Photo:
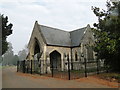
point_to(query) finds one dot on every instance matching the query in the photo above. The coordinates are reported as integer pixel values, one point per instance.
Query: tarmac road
(12, 79)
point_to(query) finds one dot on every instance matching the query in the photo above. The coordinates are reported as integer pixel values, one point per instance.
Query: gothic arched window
(90, 53)
(76, 57)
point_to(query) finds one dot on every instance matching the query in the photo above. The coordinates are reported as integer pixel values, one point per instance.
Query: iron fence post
(29, 69)
(40, 67)
(27, 66)
(52, 68)
(52, 71)
(23, 66)
(17, 66)
(31, 66)
(97, 66)
(85, 67)
(68, 68)
(46, 65)
(107, 69)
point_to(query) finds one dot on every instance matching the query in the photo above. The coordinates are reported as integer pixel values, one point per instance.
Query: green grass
(77, 71)
(2, 67)
(110, 76)
(91, 70)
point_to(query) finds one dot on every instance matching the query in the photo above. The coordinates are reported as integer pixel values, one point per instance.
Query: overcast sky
(63, 14)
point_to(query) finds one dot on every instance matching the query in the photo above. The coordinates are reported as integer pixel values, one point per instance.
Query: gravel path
(12, 79)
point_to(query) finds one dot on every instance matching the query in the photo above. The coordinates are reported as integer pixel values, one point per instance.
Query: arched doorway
(36, 48)
(55, 60)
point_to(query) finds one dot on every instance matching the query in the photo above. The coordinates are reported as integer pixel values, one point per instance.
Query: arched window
(76, 57)
(90, 53)
(36, 47)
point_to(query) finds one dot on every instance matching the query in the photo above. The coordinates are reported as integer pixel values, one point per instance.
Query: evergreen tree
(6, 31)
(107, 34)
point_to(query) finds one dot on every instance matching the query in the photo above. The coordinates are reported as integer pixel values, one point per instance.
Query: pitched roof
(76, 36)
(55, 36)
(59, 37)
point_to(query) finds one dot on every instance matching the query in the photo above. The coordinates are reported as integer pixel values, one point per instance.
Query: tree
(8, 56)
(6, 31)
(107, 34)
(14, 60)
(0, 59)
(22, 54)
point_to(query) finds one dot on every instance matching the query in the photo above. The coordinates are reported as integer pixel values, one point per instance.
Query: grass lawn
(7, 66)
(113, 77)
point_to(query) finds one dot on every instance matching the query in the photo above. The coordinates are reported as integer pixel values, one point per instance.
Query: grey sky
(63, 14)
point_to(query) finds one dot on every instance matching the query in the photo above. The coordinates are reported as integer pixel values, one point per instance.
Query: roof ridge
(78, 29)
(62, 29)
(54, 28)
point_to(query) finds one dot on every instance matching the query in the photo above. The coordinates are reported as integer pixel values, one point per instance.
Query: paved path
(12, 79)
